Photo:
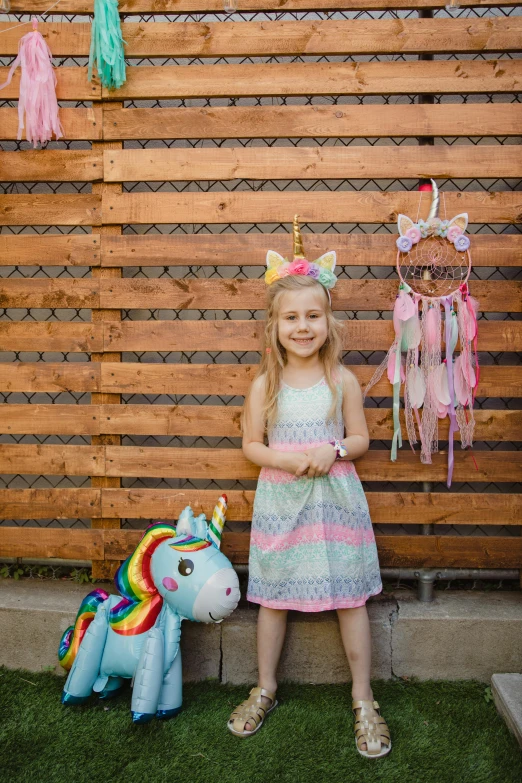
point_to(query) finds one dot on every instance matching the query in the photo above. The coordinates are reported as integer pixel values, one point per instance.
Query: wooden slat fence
(107, 209)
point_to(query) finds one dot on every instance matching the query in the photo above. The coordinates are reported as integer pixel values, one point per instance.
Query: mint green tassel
(107, 45)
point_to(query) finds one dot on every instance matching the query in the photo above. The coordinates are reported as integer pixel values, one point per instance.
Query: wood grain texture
(250, 249)
(279, 38)
(228, 335)
(69, 336)
(402, 551)
(71, 83)
(374, 466)
(51, 166)
(66, 503)
(48, 542)
(201, 6)
(374, 78)
(228, 294)
(77, 124)
(339, 121)
(305, 163)
(71, 209)
(223, 379)
(50, 250)
(205, 420)
(275, 207)
(385, 507)
(52, 460)
(153, 504)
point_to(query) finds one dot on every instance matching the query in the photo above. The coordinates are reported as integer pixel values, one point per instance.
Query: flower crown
(321, 269)
(453, 230)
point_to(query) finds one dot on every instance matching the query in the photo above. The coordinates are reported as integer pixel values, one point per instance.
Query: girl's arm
(254, 448)
(357, 440)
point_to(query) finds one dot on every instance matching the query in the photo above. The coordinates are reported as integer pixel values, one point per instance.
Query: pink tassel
(37, 99)
(391, 362)
(440, 385)
(432, 330)
(460, 382)
(403, 310)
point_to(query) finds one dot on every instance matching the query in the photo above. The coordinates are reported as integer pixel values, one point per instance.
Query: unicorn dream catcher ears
(433, 264)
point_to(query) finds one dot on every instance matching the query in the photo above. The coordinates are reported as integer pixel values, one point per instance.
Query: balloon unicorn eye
(185, 567)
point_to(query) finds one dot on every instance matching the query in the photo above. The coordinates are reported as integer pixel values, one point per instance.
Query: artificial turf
(442, 732)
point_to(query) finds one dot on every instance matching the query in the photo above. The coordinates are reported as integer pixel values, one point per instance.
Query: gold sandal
(252, 711)
(371, 728)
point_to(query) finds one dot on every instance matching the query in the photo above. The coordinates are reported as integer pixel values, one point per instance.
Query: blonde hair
(273, 358)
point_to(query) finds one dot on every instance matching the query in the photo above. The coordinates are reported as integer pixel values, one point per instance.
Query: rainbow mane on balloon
(175, 573)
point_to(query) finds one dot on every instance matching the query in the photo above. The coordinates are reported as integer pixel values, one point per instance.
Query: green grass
(442, 732)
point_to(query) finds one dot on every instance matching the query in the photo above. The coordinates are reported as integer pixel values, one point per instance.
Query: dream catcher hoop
(433, 265)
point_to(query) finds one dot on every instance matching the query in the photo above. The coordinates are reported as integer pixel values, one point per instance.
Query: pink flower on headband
(282, 271)
(454, 232)
(414, 234)
(299, 266)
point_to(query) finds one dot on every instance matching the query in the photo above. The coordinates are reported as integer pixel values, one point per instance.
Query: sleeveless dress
(312, 544)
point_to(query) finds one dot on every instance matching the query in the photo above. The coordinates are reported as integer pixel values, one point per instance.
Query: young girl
(312, 544)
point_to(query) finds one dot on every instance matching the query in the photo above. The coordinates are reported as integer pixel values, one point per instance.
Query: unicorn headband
(453, 230)
(322, 269)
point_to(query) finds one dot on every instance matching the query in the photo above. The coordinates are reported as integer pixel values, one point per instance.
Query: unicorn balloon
(174, 574)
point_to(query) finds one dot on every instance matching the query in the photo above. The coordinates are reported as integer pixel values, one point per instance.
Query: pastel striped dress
(312, 545)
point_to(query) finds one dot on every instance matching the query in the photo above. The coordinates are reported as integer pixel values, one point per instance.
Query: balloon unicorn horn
(217, 523)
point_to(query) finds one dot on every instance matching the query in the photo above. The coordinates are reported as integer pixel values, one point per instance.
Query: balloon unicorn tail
(72, 637)
(217, 523)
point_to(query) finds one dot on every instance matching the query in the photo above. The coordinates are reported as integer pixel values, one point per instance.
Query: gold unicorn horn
(298, 240)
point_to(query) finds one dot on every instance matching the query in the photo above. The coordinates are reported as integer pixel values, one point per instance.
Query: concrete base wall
(460, 635)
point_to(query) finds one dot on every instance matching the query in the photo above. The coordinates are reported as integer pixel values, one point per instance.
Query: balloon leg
(86, 666)
(171, 698)
(112, 687)
(148, 678)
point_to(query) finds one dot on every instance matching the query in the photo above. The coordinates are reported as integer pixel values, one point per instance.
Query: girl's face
(301, 323)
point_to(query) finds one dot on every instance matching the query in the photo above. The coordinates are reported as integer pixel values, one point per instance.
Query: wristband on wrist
(340, 449)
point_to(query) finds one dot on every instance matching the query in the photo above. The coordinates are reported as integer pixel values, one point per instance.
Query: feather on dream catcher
(433, 264)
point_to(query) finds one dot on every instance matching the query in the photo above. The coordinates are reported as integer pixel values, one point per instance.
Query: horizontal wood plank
(402, 551)
(130, 461)
(338, 121)
(66, 503)
(385, 507)
(204, 420)
(228, 335)
(222, 335)
(250, 249)
(229, 294)
(361, 78)
(50, 376)
(223, 379)
(394, 551)
(50, 250)
(71, 84)
(202, 6)
(51, 166)
(374, 466)
(68, 336)
(281, 38)
(71, 209)
(303, 163)
(36, 459)
(70, 544)
(313, 206)
(77, 124)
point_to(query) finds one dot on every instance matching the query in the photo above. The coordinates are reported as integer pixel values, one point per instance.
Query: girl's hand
(295, 462)
(321, 460)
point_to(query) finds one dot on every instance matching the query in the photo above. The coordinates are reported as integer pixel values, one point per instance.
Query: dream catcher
(433, 264)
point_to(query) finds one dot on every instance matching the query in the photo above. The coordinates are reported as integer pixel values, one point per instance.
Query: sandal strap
(370, 726)
(252, 710)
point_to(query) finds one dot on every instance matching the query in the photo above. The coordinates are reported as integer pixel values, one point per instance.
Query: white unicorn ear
(459, 220)
(273, 259)
(327, 260)
(403, 224)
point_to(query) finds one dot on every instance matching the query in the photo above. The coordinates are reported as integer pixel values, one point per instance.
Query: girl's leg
(355, 633)
(271, 631)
